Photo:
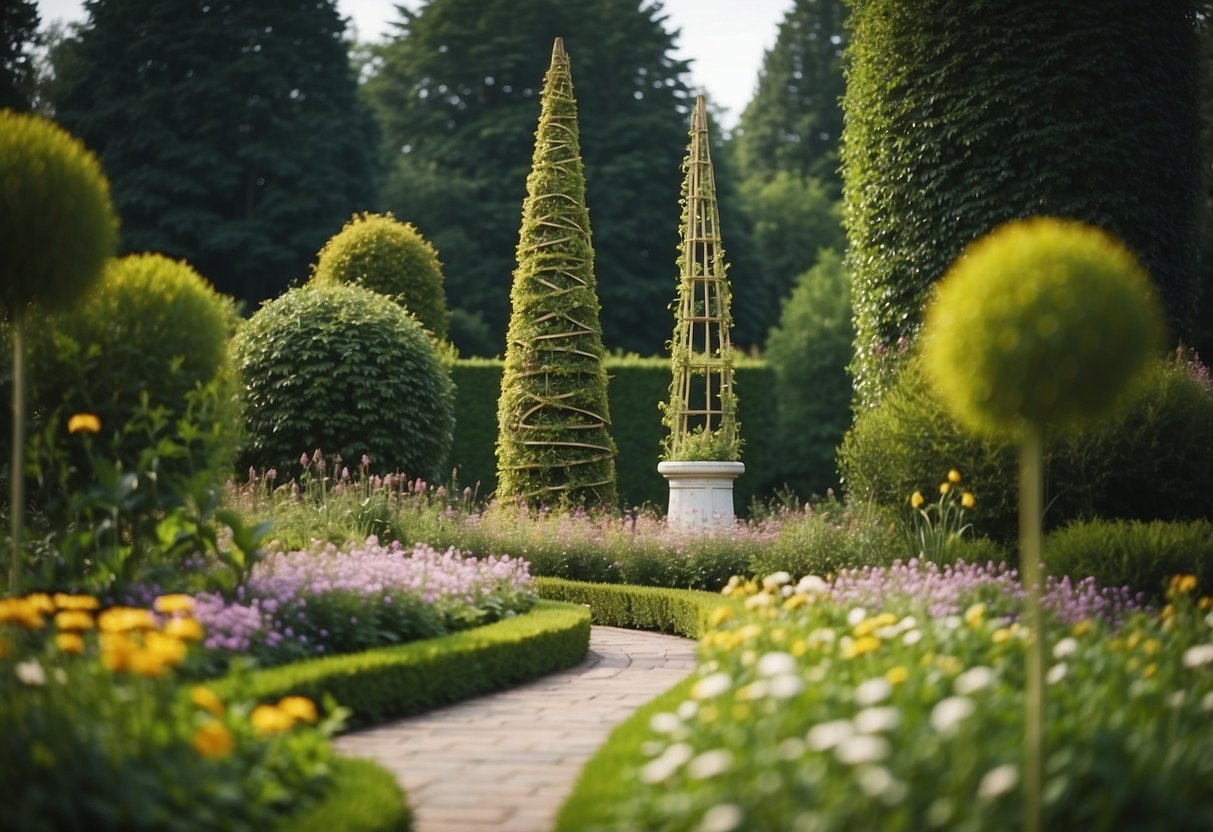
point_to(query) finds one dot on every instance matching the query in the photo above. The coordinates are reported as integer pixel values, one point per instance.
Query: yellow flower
(125, 619)
(212, 741)
(147, 663)
(896, 675)
(1083, 627)
(73, 620)
(76, 602)
(953, 475)
(721, 615)
(975, 615)
(70, 643)
(945, 487)
(300, 708)
(203, 697)
(1182, 584)
(41, 602)
(117, 650)
(20, 611)
(268, 719)
(186, 629)
(169, 650)
(860, 647)
(795, 601)
(174, 604)
(968, 500)
(84, 423)
(916, 499)
(1149, 670)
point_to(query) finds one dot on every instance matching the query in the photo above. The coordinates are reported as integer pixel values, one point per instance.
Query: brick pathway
(505, 762)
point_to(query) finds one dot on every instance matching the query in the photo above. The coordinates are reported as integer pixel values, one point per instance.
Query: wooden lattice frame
(701, 415)
(554, 447)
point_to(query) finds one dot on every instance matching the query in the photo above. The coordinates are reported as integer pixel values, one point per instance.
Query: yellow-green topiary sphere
(57, 224)
(1040, 324)
(380, 253)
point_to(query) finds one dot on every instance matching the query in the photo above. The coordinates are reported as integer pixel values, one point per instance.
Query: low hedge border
(364, 797)
(683, 612)
(410, 678)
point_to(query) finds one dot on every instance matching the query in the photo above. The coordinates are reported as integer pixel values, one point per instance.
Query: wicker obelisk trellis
(554, 447)
(703, 443)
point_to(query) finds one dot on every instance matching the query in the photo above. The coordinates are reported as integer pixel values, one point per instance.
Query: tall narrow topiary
(701, 415)
(57, 227)
(1037, 329)
(554, 445)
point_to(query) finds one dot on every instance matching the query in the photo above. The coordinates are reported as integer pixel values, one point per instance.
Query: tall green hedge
(962, 116)
(635, 386)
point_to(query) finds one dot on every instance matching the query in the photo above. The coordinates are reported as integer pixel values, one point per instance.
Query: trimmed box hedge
(364, 797)
(635, 387)
(683, 612)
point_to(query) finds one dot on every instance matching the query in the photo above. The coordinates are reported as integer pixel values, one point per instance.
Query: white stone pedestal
(701, 493)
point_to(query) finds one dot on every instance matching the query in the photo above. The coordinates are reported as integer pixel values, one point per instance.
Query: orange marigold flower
(174, 604)
(186, 629)
(73, 620)
(299, 708)
(203, 697)
(70, 643)
(213, 740)
(269, 719)
(76, 602)
(84, 423)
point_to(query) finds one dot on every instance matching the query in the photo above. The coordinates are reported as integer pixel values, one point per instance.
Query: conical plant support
(554, 446)
(703, 444)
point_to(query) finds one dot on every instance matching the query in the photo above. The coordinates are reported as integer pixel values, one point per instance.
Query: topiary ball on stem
(390, 257)
(344, 370)
(57, 224)
(1040, 324)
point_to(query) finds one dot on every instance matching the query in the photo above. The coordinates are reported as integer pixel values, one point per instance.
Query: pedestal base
(701, 493)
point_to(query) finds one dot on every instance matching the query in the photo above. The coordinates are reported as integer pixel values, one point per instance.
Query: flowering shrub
(326, 600)
(97, 731)
(815, 708)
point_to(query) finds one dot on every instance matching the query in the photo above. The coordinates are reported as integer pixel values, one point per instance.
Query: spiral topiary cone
(57, 228)
(553, 444)
(1039, 327)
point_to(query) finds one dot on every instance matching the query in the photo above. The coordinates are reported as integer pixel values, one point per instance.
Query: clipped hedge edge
(683, 612)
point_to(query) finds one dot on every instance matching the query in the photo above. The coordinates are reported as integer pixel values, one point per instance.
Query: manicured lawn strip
(364, 797)
(603, 782)
(411, 678)
(683, 612)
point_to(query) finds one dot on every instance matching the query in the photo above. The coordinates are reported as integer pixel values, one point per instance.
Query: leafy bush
(364, 797)
(1153, 460)
(1143, 555)
(683, 612)
(134, 414)
(378, 252)
(343, 369)
(809, 351)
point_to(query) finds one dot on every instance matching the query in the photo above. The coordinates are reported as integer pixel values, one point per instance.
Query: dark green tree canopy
(960, 117)
(18, 36)
(794, 121)
(457, 94)
(231, 132)
(554, 446)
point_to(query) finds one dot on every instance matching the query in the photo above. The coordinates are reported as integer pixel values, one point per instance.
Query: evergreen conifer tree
(553, 445)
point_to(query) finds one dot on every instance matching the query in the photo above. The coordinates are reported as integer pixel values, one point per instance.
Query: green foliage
(1140, 555)
(793, 124)
(1040, 325)
(411, 678)
(683, 612)
(344, 370)
(457, 96)
(18, 72)
(57, 225)
(392, 258)
(1153, 461)
(251, 144)
(1087, 111)
(363, 797)
(554, 444)
(808, 352)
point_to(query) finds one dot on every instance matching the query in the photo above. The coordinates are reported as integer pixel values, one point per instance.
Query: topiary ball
(57, 224)
(1040, 324)
(345, 370)
(390, 257)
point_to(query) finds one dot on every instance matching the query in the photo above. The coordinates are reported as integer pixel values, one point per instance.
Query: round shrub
(392, 258)
(146, 352)
(345, 370)
(1041, 323)
(1153, 460)
(57, 224)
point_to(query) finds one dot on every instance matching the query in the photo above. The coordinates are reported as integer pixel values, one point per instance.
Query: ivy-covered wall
(636, 385)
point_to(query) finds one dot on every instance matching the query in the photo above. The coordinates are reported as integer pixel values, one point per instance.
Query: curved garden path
(505, 762)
